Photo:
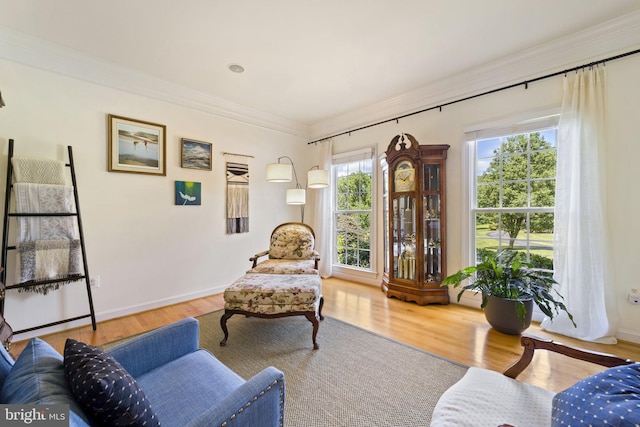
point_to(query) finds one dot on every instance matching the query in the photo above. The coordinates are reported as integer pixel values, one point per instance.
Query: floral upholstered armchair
(291, 251)
(285, 284)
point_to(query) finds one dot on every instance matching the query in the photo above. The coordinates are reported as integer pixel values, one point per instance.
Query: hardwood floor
(453, 331)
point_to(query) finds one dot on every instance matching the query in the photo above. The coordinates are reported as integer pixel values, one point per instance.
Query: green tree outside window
(353, 217)
(518, 178)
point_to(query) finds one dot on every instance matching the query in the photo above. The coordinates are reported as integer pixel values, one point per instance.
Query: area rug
(356, 378)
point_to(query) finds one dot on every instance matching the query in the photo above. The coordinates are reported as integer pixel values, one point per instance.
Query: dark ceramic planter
(503, 317)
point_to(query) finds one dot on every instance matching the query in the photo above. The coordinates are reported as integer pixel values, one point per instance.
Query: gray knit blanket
(45, 260)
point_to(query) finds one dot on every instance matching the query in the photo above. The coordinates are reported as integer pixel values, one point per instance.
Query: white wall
(623, 195)
(147, 251)
(507, 107)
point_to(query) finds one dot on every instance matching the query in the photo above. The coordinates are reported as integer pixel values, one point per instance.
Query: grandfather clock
(414, 194)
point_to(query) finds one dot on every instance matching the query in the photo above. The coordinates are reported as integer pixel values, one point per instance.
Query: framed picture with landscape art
(136, 146)
(196, 154)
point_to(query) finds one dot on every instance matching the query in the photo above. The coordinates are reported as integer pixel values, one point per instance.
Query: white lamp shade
(279, 172)
(318, 178)
(296, 196)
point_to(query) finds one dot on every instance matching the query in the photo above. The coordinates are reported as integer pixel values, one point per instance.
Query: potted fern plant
(509, 288)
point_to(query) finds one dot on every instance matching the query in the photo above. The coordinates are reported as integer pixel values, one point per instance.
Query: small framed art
(196, 154)
(136, 146)
(188, 193)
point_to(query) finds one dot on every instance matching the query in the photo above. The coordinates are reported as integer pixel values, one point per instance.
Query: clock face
(405, 177)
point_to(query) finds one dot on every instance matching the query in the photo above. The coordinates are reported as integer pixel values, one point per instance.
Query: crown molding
(606, 39)
(38, 53)
(598, 42)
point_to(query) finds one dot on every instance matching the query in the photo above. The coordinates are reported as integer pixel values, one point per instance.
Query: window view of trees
(515, 195)
(353, 213)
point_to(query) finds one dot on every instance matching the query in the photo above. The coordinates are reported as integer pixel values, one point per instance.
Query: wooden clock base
(421, 296)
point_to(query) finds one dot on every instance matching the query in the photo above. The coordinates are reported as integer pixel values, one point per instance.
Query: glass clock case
(414, 221)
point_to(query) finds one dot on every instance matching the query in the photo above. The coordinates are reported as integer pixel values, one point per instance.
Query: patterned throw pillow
(104, 388)
(610, 397)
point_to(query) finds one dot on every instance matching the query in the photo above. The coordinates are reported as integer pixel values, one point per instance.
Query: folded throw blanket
(46, 260)
(44, 198)
(38, 171)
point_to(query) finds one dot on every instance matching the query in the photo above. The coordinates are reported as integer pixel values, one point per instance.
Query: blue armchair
(185, 385)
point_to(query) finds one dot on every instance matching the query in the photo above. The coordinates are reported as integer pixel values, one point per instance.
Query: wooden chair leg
(223, 325)
(313, 318)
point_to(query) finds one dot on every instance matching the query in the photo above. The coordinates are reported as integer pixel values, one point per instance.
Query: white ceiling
(307, 61)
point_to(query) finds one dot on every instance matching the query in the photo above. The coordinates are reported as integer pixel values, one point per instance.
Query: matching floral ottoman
(270, 295)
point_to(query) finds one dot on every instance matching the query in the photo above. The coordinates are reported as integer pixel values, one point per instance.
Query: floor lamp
(286, 172)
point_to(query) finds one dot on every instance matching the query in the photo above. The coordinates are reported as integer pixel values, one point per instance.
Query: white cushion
(488, 398)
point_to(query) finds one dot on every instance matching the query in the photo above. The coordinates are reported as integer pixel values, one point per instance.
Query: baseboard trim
(356, 276)
(121, 312)
(628, 335)
(470, 301)
(622, 334)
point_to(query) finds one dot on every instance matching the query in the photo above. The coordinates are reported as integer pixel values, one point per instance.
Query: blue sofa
(185, 385)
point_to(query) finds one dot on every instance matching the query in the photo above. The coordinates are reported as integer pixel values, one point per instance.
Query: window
(353, 178)
(513, 192)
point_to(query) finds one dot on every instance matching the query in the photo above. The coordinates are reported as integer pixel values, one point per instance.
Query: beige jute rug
(356, 378)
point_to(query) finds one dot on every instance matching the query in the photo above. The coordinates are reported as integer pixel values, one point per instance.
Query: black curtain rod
(439, 107)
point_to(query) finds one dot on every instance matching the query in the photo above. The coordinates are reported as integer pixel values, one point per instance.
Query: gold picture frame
(196, 154)
(137, 146)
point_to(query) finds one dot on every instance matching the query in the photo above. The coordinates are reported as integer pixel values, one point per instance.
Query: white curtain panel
(323, 215)
(582, 265)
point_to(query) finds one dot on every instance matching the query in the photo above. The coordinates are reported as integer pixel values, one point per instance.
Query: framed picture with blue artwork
(188, 193)
(196, 154)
